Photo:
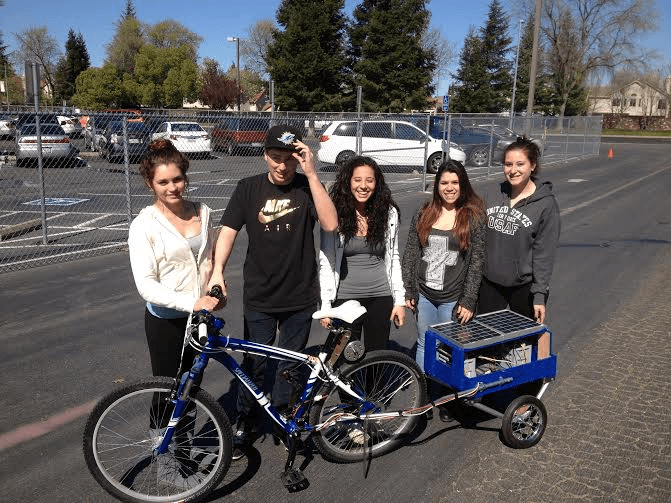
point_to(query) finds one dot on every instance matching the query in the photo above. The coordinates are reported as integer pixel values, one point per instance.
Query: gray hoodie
(521, 241)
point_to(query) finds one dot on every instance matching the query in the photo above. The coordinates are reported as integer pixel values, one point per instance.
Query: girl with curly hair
(360, 259)
(445, 253)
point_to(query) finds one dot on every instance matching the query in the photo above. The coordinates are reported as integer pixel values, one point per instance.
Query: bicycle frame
(217, 348)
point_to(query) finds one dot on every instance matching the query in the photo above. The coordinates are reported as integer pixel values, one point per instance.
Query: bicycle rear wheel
(128, 424)
(390, 380)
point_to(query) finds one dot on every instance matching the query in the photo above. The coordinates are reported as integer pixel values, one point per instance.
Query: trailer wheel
(524, 422)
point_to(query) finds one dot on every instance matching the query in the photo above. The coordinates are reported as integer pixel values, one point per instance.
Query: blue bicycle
(165, 439)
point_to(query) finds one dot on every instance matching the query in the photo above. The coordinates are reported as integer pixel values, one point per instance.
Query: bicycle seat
(347, 312)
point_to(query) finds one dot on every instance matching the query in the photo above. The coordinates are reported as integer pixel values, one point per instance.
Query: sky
(215, 20)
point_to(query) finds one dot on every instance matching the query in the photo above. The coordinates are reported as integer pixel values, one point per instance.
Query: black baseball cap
(283, 136)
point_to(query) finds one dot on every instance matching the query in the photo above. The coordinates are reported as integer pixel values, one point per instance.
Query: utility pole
(534, 64)
(517, 59)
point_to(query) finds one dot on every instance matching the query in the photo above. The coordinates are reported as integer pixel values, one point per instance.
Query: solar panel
(488, 328)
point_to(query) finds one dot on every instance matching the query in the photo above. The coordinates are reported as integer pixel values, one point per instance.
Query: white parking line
(611, 192)
(9, 214)
(88, 222)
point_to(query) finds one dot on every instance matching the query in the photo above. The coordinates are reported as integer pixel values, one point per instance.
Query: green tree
(307, 57)
(393, 68)
(99, 88)
(75, 61)
(126, 44)
(470, 77)
(129, 11)
(251, 83)
(496, 53)
(171, 34)
(165, 77)
(13, 84)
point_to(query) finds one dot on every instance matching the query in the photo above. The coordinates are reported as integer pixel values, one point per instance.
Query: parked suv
(390, 143)
(244, 135)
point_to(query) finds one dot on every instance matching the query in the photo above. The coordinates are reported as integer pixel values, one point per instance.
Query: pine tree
(307, 57)
(75, 61)
(127, 42)
(391, 66)
(496, 53)
(470, 77)
(129, 11)
(483, 79)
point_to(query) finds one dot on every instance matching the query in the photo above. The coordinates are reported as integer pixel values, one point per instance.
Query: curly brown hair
(161, 152)
(376, 208)
(469, 206)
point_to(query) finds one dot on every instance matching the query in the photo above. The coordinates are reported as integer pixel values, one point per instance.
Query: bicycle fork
(180, 399)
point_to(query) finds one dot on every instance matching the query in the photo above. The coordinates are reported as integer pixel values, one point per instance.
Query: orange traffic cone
(610, 153)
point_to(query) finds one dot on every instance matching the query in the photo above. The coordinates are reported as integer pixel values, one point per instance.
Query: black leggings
(165, 338)
(375, 324)
(494, 297)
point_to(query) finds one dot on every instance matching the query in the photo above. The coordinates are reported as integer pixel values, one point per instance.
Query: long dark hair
(376, 209)
(162, 152)
(530, 149)
(469, 206)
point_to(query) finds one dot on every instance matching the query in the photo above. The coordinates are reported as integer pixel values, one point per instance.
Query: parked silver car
(55, 144)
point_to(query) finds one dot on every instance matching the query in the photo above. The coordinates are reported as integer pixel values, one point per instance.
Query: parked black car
(111, 142)
(479, 140)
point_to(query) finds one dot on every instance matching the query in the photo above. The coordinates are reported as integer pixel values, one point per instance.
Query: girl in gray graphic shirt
(445, 253)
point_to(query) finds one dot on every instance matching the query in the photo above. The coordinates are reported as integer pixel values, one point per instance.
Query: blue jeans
(429, 313)
(293, 328)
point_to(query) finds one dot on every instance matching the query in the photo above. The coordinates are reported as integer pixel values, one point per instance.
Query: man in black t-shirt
(281, 291)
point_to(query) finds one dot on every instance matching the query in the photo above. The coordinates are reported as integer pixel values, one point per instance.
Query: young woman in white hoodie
(171, 247)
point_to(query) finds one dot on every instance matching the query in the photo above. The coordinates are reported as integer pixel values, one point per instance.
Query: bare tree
(444, 49)
(254, 48)
(585, 36)
(35, 44)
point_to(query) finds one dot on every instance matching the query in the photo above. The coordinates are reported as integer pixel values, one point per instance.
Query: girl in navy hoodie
(522, 236)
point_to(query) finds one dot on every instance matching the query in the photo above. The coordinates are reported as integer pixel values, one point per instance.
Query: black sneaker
(240, 444)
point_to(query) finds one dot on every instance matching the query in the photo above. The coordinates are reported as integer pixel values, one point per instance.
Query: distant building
(638, 98)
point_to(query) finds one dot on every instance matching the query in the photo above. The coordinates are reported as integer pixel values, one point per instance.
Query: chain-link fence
(71, 185)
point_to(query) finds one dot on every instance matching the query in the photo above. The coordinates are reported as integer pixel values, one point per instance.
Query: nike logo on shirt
(274, 209)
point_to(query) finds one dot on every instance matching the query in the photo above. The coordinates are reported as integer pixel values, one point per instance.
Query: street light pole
(237, 64)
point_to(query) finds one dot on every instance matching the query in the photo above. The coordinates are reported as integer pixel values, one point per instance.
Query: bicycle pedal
(294, 480)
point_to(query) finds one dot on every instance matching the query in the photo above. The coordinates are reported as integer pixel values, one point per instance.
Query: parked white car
(55, 144)
(70, 125)
(389, 142)
(187, 137)
(7, 127)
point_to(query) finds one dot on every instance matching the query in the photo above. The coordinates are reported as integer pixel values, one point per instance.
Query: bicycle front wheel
(388, 379)
(128, 424)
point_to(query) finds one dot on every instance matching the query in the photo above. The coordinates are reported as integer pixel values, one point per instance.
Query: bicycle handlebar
(216, 292)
